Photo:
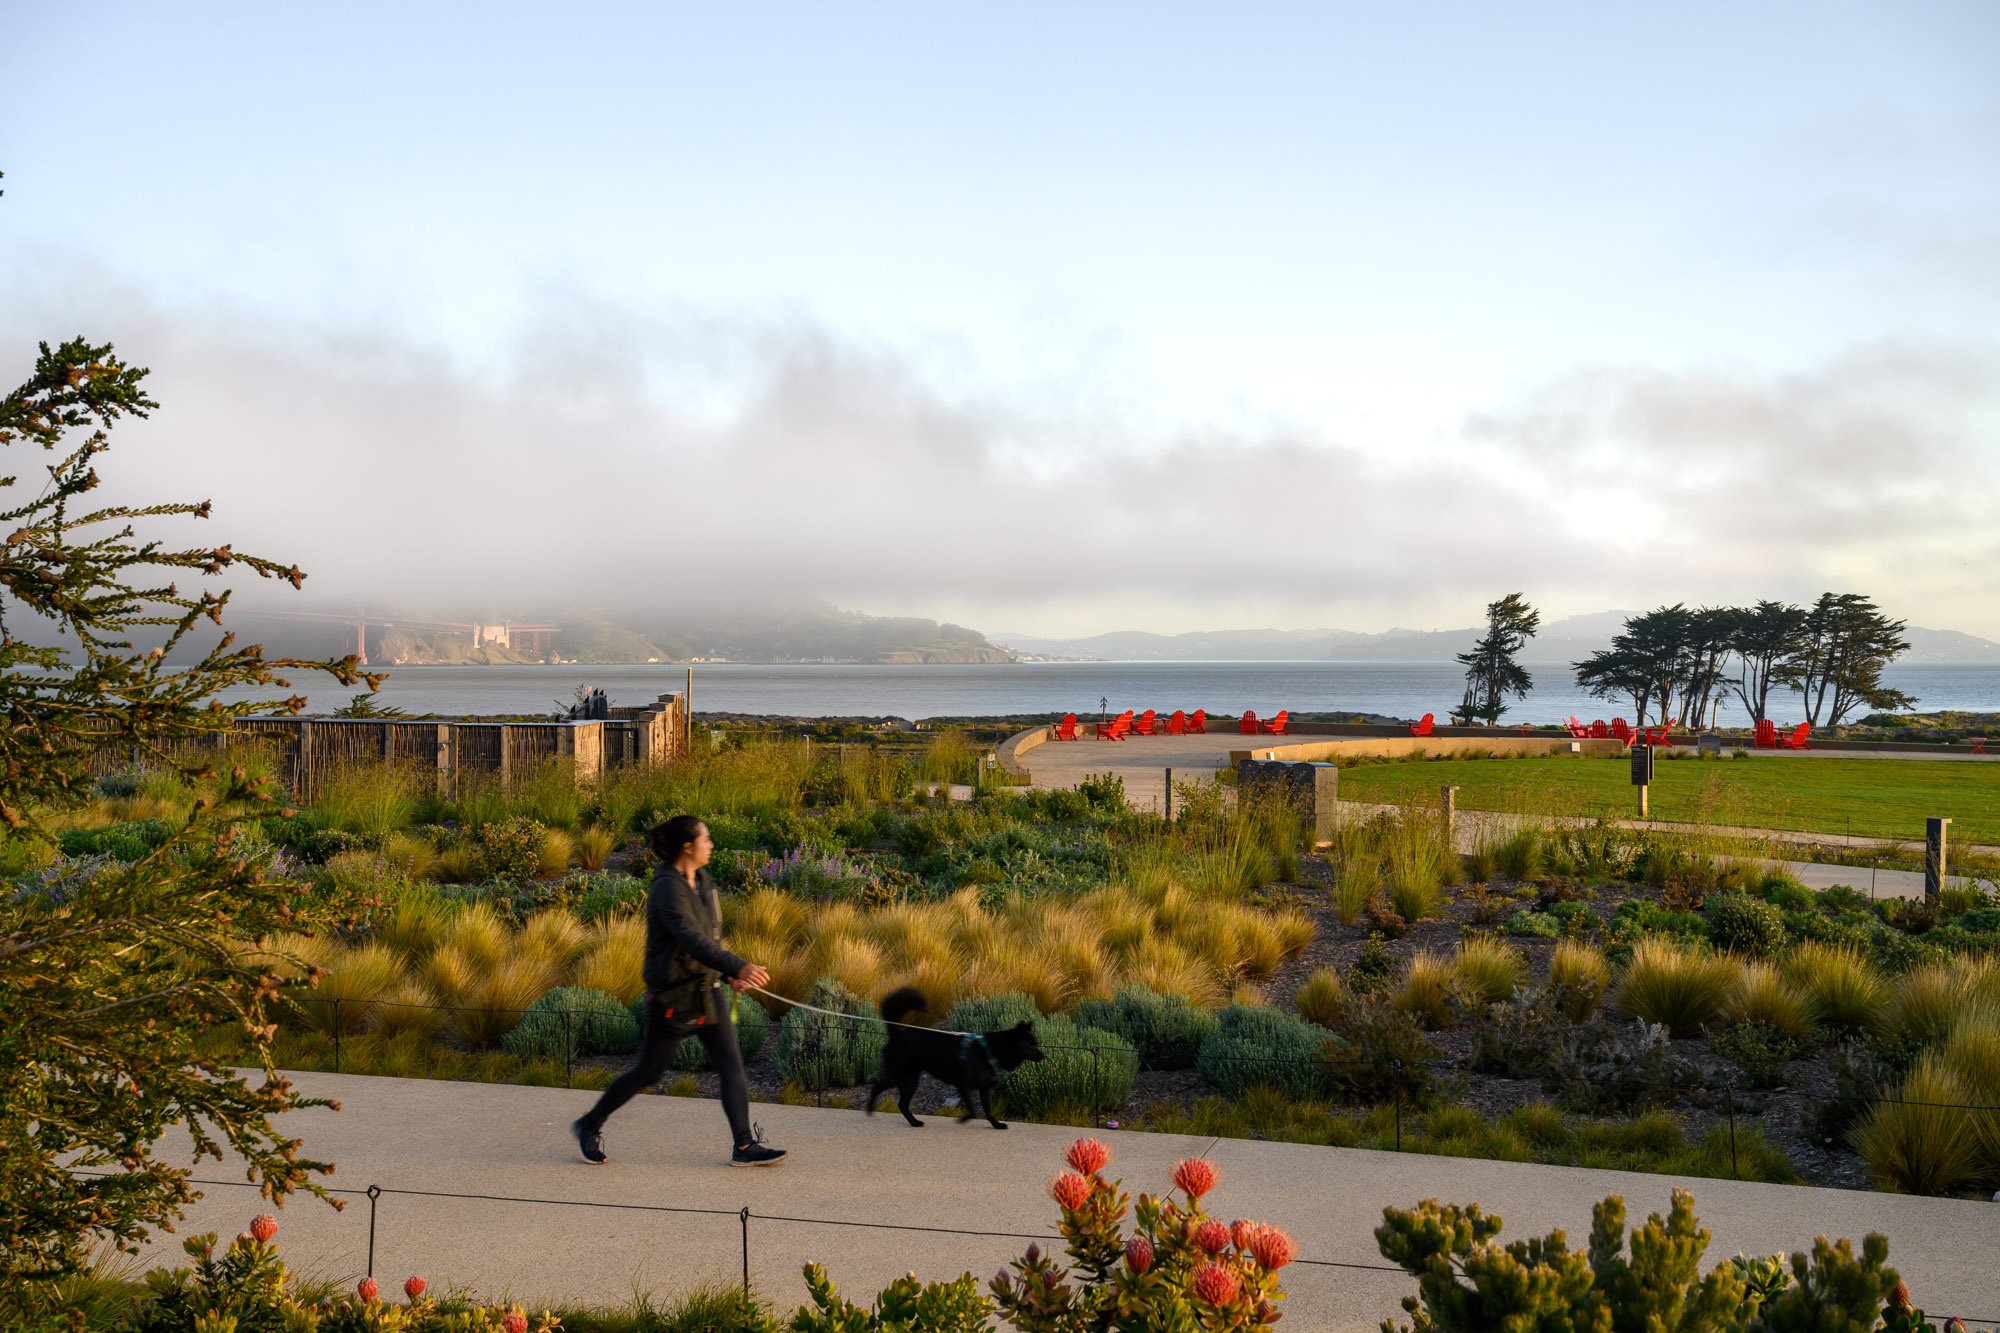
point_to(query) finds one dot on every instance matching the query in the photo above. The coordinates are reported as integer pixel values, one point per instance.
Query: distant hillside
(809, 634)
(1561, 641)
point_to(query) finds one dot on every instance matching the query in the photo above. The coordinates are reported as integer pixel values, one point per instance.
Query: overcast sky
(1048, 318)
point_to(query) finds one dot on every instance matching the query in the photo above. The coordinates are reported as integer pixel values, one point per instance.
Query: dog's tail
(899, 1004)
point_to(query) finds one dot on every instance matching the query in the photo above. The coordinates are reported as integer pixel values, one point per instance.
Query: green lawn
(1888, 798)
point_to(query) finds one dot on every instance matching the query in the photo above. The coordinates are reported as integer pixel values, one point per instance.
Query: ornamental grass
(1488, 969)
(1766, 996)
(1579, 974)
(1683, 990)
(1846, 994)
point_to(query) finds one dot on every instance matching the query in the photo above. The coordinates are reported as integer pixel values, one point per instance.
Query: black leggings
(656, 1052)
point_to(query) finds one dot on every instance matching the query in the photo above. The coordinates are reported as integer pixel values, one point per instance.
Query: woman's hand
(751, 975)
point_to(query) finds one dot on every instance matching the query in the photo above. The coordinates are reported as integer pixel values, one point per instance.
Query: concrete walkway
(495, 1140)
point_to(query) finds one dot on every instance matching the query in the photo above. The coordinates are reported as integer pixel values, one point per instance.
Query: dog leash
(835, 1013)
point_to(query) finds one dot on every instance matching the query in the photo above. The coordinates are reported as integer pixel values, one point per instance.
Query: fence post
(1729, 1106)
(1399, 1106)
(336, 1034)
(1167, 801)
(1096, 1094)
(745, 1216)
(569, 1052)
(374, 1193)
(1934, 859)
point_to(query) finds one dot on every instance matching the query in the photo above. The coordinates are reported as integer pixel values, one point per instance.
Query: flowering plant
(1179, 1269)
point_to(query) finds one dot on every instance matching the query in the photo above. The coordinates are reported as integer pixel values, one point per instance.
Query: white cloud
(653, 458)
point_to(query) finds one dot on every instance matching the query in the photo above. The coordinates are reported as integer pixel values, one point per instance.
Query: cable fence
(744, 1215)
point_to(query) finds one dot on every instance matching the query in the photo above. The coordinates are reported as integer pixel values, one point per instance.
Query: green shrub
(1637, 918)
(1744, 925)
(1535, 925)
(1256, 1046)
(753, 1027)
(1783, 891)
(816, 1051)
(1759, 1050)
(125, 842)
(1378, 1051)
(511, 849)
(1467, 1279)
(602, 895)
(1599, 1067)
(1167, 1029)
(568, 1022)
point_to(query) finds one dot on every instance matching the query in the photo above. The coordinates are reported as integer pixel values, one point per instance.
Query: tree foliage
(121, 985)
(1492, 668)
(1677, 662)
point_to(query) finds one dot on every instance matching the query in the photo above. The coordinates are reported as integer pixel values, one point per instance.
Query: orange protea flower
(1196, 1175)
(1139, 1253)
(413, 1286)
(265, 1227)
(1242, 1231)
(1273, 1249)
(1087, 1156)
(368, 1288)
(1214, 1284)
(1070, 1190)
(1899, 1295)
(514, 1322)
(1212, 1237)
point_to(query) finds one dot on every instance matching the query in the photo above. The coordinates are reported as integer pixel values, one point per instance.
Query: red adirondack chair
(1659, 736)
(1425, 727)
(1115, 729)
(1576, 728)
(1144, 726)
(1177, 724)
(1979, 745)
(1276, 726)
(1797, 740)
(1065, 730)
(1765, 736)
(1621, 729)
(1248, 725)
(1198, 722)
(1599, 732)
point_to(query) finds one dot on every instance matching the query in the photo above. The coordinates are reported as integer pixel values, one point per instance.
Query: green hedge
(815, 1051)
(597, 1024)
(1254, 1045)
(1167, 1029)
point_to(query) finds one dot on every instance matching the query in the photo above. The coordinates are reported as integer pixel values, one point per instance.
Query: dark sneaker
(588, 1141)
(754, 1153)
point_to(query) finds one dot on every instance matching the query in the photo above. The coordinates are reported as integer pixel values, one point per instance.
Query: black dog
(971, 1064)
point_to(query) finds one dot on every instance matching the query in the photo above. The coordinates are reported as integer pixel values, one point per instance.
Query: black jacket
(684, 934)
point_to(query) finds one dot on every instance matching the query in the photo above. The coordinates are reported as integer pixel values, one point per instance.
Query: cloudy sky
(1048, 318)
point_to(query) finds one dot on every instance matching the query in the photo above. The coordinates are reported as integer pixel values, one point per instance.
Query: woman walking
(685, 966)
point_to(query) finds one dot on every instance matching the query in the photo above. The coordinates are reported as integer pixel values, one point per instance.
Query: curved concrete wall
(1018, 744)
(1398, 747)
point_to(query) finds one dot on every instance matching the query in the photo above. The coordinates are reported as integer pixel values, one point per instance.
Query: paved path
(496, 1140)
(1142, 762)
